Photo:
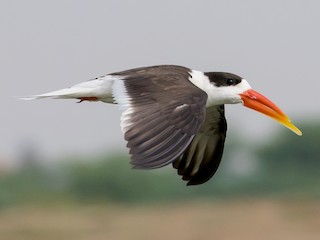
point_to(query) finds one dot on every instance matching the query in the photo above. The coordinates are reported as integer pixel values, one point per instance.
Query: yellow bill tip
(291, 126)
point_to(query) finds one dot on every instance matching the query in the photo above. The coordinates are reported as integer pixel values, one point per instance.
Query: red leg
(90, 99)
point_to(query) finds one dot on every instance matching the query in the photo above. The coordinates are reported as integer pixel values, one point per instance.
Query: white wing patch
(121, 97)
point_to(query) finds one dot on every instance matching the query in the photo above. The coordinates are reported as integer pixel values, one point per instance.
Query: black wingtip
(193, 182)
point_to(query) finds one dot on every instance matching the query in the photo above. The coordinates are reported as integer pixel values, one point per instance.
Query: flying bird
(173, 114)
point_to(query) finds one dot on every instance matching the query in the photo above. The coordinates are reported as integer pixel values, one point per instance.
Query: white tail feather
(100, 88)
(63, 94)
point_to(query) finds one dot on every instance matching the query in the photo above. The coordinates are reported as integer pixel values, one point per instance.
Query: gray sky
(48, 45)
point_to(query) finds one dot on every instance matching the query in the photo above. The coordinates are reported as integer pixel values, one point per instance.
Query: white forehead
(239, 88)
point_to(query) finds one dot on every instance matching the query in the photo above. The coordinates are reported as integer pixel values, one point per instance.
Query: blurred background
(64, 167)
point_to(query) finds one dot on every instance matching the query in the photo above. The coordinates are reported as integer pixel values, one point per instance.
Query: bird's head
(228, 88)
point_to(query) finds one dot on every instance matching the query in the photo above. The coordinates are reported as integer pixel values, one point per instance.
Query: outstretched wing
(163, 111)
(202, 158)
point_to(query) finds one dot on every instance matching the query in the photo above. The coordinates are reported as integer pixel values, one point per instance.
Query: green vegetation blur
(285, 166)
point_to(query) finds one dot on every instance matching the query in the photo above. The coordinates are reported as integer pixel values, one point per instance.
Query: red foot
(90, 99)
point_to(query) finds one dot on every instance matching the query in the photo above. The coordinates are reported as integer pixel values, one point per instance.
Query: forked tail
(94, 90)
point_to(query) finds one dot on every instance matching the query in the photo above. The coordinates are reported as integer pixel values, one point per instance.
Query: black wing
(202, 158)
(163, 113)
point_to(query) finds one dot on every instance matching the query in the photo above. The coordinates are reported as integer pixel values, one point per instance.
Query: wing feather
(202, 158)
(163, 111)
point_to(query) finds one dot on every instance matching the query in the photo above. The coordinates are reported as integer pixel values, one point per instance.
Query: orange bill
(260, 103)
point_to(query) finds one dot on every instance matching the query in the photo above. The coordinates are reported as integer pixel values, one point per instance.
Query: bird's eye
(230, 81)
